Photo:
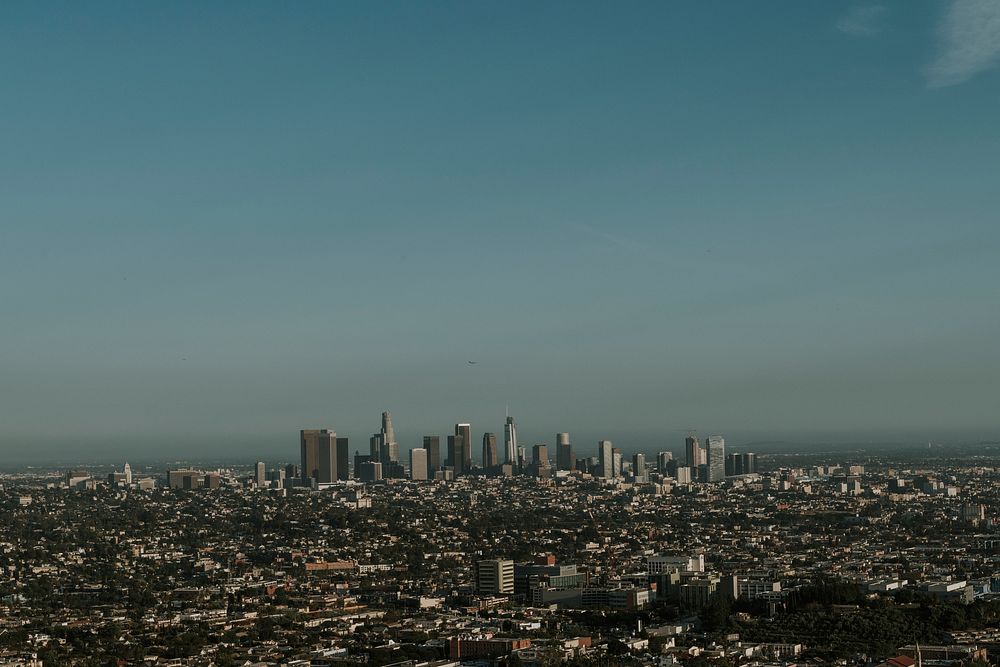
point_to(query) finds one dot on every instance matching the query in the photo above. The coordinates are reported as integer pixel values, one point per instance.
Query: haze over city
(500, 334)
(223, 223)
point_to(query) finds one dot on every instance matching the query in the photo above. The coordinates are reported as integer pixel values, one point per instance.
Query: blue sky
(223, 222)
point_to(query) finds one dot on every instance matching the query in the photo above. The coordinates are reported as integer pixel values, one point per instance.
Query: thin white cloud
(968, 42)
(863, 21)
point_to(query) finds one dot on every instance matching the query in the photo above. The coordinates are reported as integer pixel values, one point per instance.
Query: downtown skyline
(584, 444)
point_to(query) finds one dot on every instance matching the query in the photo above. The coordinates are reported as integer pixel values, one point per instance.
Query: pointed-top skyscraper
(510, 441)
(389, 444)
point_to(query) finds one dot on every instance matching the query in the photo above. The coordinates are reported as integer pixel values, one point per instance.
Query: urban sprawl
(522, 557)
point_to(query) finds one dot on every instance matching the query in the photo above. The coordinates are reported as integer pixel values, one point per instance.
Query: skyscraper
(734, 464)
(456, 451)
(638, 465)
(418, 464)
(260, 474)
(432, 443)
(694, 452)
(359, 460)
(391, 447)
(510, 441)
(377, 448)
(343, 456)
(716, 455)
(128, 473)
(489, 451)
(309, 449)
(370, 471)
(540, 455)
(327, 452)
(616, 462)
(749, 463)
(465, 430)
(392, 452)
(564, 452)
(663, 459)
(606, 458)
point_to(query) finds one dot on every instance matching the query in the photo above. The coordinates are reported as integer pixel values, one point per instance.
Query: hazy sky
(220, 223)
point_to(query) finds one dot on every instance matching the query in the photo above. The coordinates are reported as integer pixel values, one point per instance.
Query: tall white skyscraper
(418, 463)
(128, 473)
(510, 441)
(716, 455)
(391, 447)
(260, 474)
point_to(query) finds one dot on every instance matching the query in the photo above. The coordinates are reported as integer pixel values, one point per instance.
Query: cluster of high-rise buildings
(325, 458)
(709, 462)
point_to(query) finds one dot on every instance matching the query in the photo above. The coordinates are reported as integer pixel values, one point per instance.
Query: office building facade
(510, 441)
(432, 443)
(663, 460)
(605, 457)
(694, 454)
(639, 466)
(564, 453)
(465, 431)
(309, 446)
(327, 464)
(418, 464)
(495, 577)
(343, 457)
(456, 455)
(540, 455)
(715, 453)
(390, 448)
(490, 451)
(376, 447)
(370, 471)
